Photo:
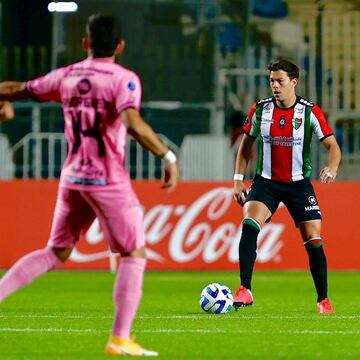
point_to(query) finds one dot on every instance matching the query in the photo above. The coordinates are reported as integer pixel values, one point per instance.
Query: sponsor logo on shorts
(312, 200)
(312, 208)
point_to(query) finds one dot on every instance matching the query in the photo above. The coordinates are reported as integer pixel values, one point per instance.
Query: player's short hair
(291, 69)
(104, 33)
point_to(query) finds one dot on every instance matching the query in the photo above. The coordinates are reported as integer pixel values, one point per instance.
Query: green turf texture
(68, 315)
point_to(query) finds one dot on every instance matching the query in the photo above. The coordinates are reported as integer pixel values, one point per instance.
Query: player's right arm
(147, 138)
(242, 160)
(13, 90)
(43, 88)
(10, 91)
(251, 130)
(6, 111)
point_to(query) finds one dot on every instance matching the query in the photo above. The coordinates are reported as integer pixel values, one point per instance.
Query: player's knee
(140, 253)
(313, 242)
(62, 254)
(250, 232)
(251, 222)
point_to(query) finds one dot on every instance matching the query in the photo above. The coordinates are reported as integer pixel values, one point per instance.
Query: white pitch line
(256, 317)
(320, 332)
(202, 317)
(55, 330)
(30, 316)
(204, 331)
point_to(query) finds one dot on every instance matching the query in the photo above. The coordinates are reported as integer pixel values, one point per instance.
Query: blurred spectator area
(322, 37)
(201, 62)
(179, 46)
(172, 66)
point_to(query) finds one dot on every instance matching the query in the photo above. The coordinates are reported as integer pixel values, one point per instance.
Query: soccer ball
(216, 298)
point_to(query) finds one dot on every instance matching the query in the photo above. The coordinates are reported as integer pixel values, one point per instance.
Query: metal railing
(142, 164)
(6, 163)
(40, 146)
(41, 155)
(206, 157)
(346, 125)
(202, 157)
(35, 155)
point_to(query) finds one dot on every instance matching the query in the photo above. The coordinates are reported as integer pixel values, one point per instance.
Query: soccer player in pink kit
(6, 111)
(284, 125)
(101, 102)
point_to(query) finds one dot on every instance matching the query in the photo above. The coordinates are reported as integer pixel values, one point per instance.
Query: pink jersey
(93, 94)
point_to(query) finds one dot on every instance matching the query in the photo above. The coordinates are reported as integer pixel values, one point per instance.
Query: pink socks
(127, 289)
(26, 269)
(127, 294)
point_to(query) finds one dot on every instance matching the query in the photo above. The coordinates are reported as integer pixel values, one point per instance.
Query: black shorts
(298, 197)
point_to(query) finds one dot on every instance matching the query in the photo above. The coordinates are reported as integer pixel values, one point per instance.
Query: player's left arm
(147, 138)
(329, 172)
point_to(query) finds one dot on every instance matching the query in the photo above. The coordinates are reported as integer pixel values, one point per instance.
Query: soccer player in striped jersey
(284, 125)
(101, 102)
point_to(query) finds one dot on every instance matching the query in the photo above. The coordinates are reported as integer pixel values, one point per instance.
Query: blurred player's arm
(6, 111)
(242, 160)
(10, 91)
(329, 172)
(147, 138)
(13, 90)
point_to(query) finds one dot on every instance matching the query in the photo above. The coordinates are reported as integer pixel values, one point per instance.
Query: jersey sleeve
(47, 87)
(128, 93)
(319, 123)
(251, 126)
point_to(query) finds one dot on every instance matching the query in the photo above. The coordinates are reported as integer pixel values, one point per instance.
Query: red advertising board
(195, 227)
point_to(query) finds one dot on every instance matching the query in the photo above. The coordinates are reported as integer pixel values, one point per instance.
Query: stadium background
(202, 64)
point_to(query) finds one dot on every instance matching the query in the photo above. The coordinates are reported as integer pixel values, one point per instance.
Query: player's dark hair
(291, 69)
(104, 34)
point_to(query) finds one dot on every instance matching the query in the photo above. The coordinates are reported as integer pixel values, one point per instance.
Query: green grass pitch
(68, 315)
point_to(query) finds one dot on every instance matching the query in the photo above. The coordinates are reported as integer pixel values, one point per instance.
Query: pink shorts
(118, 211)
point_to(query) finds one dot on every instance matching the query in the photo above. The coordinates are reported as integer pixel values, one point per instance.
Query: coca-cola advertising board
(195, 227)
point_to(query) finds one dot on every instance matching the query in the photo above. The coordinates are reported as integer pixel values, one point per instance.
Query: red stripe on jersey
(281, 155)
(325, 128)
(248, 122)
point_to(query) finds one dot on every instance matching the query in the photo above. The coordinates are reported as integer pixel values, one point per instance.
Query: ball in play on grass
(216, 298)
